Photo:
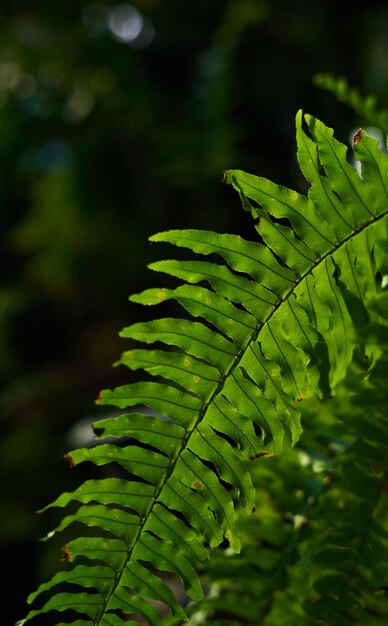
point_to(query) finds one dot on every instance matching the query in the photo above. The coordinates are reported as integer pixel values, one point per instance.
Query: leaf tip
(48, 536)
(253, 457)
(98, 430)
(70, 459)
(66, 554)
(227, 177)
(357, 137)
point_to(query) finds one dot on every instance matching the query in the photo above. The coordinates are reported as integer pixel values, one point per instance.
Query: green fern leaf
(349, 570)
(365, 106)
(275, 328)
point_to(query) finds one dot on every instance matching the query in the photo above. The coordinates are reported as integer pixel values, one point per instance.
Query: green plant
(280, 327)
(316, 549)
(365, 106)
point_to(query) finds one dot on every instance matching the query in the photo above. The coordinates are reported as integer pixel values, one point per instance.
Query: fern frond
(349, 569)
(273, 328)
(364, 106)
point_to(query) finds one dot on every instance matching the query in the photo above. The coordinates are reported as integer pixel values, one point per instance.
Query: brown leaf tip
(66, 554)
(257, 456)
(357, 137)
(69, 458)
(98, 399)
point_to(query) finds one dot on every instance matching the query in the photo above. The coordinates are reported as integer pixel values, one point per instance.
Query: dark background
(116, 122)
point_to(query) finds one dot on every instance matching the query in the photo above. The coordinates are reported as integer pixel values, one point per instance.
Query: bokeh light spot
(125, 22)
(79, 105)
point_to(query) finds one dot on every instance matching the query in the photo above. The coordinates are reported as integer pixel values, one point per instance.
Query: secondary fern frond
(349, 570)
(272, 326)
(365, 106)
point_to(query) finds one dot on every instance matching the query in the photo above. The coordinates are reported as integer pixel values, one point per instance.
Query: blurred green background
(117, 121)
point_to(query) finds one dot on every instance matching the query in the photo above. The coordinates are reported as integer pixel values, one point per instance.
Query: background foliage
(104, 142)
